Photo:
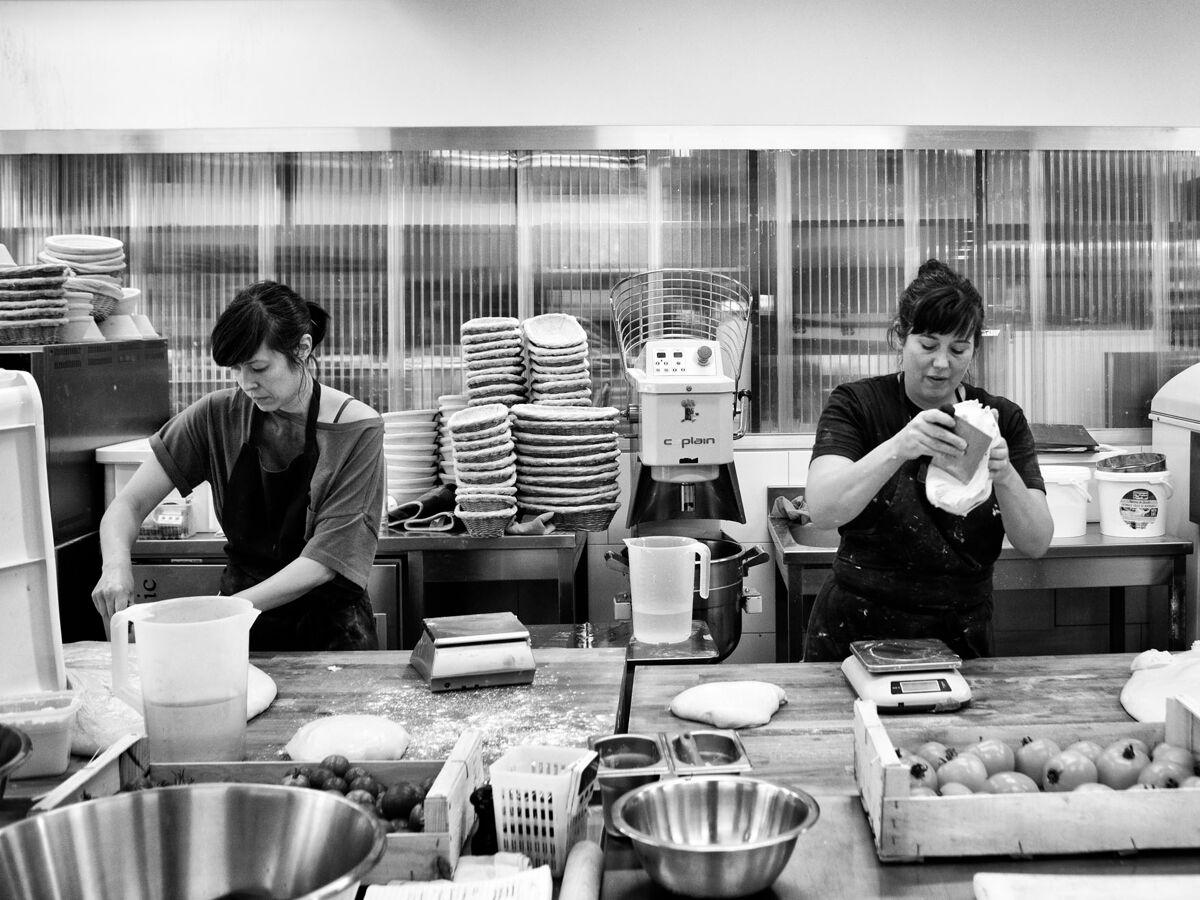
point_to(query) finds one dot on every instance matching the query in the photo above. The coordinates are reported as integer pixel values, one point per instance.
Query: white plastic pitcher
(661, 578)
(194, 657)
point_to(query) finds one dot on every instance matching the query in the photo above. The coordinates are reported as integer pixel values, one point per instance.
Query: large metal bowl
(14, 749)
(719, 836)
(195, 842)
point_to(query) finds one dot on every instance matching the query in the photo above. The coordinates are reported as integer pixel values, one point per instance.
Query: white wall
(115, 64)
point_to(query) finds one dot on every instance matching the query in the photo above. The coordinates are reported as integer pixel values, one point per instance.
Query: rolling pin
(583, 872)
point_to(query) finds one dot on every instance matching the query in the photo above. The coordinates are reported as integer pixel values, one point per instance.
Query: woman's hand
(113, 592)
(928, 434)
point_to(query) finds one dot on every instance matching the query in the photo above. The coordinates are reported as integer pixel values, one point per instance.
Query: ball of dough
(730, 704)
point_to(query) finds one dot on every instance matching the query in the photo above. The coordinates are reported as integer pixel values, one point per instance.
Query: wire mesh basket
(682, 303)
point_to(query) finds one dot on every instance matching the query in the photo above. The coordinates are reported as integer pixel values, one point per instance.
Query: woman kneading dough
(297, 478)
(906, 567)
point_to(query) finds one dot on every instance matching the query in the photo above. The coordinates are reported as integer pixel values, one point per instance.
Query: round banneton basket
(473, 420)
(482, 503)
(487, 524)
(534, 413)
(554, 331)
(593, 517)
(35, 331)
(484, 454)
(489, 324)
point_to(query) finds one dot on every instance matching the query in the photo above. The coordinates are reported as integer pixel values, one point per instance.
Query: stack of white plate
(494, 358)
(87, 254)
(567, 463)
(448, 405)
(557, 347)
(410, 449)
(485, 468)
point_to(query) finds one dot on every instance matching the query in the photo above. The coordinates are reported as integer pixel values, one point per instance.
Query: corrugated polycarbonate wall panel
(1087, 260)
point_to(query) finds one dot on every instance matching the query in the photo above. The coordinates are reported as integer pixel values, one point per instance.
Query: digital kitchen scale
(907, 675)
(458, 652)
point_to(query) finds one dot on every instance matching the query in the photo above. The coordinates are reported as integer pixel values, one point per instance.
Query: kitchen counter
(808, 744)
(804, 558)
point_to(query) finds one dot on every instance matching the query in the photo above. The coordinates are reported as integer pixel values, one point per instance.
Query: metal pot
(722, 608)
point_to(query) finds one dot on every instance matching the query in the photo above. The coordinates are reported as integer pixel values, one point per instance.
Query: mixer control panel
(682, 358)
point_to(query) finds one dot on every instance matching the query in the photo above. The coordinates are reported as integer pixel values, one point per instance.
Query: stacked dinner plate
(494, 357)
(567, 463)
(410, 449)
(33, 304)
(448, 405)
(86, 254)
(558, 360)
(485, 468)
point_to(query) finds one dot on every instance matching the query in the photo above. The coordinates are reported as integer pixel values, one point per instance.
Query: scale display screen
(922, 686)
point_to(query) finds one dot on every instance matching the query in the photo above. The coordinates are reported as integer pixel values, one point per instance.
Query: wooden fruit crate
(908, 828)
(408, 856)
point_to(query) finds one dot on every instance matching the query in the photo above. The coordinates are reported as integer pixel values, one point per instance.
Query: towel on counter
(795, 510)
(540, 524)
(438, 499)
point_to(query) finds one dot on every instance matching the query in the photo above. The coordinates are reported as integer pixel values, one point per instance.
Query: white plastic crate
(540, 797)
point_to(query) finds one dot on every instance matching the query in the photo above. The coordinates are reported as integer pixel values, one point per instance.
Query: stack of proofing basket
(485, 468)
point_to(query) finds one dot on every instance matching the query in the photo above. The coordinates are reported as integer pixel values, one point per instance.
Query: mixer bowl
(719, 836)
(194, 842)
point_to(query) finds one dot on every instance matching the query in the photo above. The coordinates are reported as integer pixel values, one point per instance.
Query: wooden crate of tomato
(911, 823)
(410, 855)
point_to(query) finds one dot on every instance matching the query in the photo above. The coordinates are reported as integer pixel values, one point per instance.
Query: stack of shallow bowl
(448, 405)
(485, 469)
(494, 358)
(567, 463)
(558, 360)
(97, 263)
(410, 450)
(33, 304)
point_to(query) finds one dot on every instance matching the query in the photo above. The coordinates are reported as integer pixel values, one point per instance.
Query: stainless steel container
(628, 761)
(193, 842)
(722, 608)
(708, 752)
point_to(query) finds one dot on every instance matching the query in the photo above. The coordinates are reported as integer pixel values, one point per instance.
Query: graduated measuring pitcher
(193, 654)
(661, 578)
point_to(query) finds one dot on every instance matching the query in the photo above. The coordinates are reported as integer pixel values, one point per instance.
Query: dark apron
(909, 569)
(264, 518)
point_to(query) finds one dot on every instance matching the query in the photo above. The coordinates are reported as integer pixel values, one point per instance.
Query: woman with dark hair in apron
(296, 472)
(904, 567)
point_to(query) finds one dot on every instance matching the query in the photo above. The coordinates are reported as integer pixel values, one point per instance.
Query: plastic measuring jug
(193, 654)
(662, 579)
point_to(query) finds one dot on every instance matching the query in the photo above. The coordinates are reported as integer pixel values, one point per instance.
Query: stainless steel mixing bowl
(194, 842)
(718, 836)
(14, 749)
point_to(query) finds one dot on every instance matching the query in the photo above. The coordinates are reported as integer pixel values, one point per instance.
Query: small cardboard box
(408, 856)
(908, 828)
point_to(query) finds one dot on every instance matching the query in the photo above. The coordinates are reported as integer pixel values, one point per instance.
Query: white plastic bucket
(1133, 504)
(1067, 494)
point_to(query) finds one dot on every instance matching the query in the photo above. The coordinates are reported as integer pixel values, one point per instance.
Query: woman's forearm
(294, 580)
(838, 489)
(1026, 514)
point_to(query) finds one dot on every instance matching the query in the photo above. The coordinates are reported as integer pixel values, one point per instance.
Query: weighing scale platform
(907, 675)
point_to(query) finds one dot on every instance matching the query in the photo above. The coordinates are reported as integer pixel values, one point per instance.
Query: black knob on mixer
(704, 354)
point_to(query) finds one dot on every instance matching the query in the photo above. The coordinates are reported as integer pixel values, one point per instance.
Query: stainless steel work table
(804, 559)
(438, 558)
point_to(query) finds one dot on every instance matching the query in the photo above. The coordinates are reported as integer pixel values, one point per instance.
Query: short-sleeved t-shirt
(202, 443)
(861, 415)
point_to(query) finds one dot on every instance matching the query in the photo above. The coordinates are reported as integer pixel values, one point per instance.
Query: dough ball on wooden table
(730, 704)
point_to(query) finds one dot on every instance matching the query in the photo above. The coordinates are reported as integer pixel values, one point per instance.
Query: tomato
(919, 790)
(921, 773)
(1119, 765)
(1192, 781)
(362, 798)
(1163, 773)
(318, 776)
(1090, 749)
(1138, 743)
(1181, 756)
(1011, 783)
(397, 801)
(1067, 770)
(967, 769)
(997, 756)
(954, 789)
(366, 783)
(936, 753)
(1142, 786)
(336, 764)
(1032, 755)
(1092, 786)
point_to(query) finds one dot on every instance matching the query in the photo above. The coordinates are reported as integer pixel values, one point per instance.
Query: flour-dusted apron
(907, 569)
(264, 519)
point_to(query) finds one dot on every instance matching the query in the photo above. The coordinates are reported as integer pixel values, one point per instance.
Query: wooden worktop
(808, 744)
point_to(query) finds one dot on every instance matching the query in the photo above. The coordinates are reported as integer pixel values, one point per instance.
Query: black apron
(906, 569)
(264, 518)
